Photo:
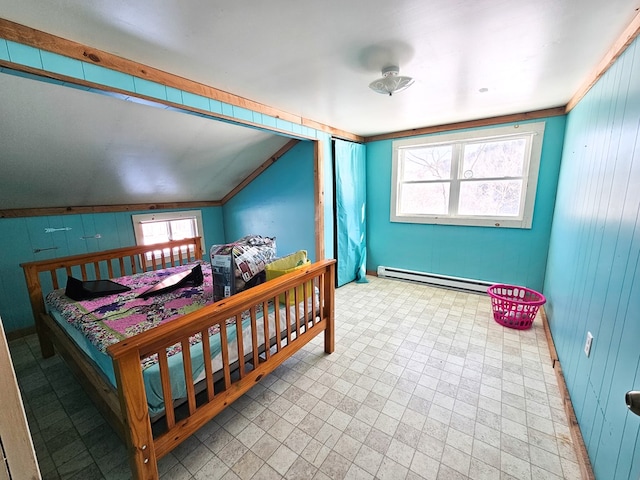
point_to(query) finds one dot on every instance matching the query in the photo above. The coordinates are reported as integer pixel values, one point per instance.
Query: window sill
(464, 221)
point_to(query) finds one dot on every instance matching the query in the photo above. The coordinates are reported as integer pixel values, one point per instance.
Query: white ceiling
(316, 59)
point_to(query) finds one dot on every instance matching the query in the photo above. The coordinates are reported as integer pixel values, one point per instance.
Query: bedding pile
(240, 265)
(108, 320)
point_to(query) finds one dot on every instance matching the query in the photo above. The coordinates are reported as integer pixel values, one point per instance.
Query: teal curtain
(351, 231)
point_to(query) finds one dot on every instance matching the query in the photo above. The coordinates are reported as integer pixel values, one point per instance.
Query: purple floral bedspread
(108, 320)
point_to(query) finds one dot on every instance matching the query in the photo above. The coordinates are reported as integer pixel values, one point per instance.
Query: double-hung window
(486, 177)
(152, 228)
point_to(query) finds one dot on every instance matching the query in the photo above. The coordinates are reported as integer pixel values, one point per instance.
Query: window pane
(494, 198)
(155, 232)
(494, 159)
(425, 198)
(426, 163)
(184, 228)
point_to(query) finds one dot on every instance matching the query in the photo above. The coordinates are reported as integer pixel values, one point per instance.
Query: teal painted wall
(593, 278)
(328, 194)
(19, 237)
(278, 203)
(502, 255)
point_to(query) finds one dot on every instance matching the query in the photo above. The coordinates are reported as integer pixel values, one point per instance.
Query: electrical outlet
(587, 345)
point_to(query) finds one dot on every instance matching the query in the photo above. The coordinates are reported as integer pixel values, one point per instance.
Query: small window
(485, 177)
(155, 228)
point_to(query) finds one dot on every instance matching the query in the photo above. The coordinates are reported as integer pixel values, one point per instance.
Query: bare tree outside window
(427, 180)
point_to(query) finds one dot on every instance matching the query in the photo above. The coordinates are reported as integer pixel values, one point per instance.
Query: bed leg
(329, 337)
(329, 296)
(36, 299)
(133, 402)
(44, 339)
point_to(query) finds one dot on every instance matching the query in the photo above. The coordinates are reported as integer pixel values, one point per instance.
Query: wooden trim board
(483, 122)
(38, 39)
(318, 193)
(15, 436)
(576, 435)
(270, 161)
(628, 35)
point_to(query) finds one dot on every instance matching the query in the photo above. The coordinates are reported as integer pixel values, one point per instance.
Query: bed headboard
(44, 275)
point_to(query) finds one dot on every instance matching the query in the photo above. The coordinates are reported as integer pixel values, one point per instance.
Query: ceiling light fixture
(391, 82)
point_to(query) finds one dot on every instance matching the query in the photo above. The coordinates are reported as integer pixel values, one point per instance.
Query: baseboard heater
(458, 283)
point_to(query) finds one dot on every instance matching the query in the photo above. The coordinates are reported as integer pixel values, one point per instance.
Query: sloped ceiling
(471, 59)
(64, 146)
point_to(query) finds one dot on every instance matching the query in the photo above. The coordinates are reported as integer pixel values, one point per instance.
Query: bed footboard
(312, 319)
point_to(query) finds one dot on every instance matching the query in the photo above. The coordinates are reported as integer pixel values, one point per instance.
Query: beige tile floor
(423, 385)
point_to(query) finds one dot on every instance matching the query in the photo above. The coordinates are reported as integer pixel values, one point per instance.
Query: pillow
(287, 264)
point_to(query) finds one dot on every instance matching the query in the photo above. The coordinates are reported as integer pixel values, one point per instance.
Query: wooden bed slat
(265, 321)
(206, 353)
(276, 320)
(166, 388)
(225, 355)
(305, 311)
(240, 340)
(297, 311)
(287, 314)
(54, 279)
(314, 287)
(254, 336)
(188, 375)
(98, 273)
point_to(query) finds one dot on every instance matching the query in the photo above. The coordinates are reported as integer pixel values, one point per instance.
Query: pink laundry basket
(513, 306)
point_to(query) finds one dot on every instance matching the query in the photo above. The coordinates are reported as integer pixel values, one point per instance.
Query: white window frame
(139, 219)
(532, 131)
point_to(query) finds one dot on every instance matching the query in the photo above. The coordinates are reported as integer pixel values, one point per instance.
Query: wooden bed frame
(125, 407)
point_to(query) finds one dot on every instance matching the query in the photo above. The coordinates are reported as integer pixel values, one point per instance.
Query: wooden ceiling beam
(45, 41)
(270, 161)
(517, 117)
(37, 212)
(628, 36)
